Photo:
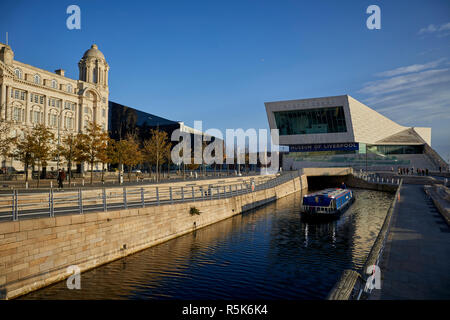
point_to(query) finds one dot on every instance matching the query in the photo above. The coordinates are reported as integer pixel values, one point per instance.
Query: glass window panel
(309, 121)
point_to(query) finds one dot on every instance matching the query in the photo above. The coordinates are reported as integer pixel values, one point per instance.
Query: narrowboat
(327, 204)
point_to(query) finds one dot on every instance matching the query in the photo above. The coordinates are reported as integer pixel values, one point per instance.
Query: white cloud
(415, 95)
(445, 26)
(407, 82)
(440, 31)
(430, 29)
(412, 68)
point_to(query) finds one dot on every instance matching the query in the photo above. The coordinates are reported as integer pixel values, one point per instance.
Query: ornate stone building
(30, 95)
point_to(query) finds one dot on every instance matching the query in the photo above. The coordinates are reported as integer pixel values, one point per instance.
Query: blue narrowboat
(328, 203)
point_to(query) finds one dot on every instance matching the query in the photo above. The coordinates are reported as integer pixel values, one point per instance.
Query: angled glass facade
(308, 121)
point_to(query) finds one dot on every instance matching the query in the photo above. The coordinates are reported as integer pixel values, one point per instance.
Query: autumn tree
(92, 145)
(69, 151)
(6, 141)
(24, 152)
(126, 152)
(42, 150)
(157, 149)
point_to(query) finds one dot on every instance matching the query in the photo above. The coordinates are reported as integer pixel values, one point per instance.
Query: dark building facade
(123, 120)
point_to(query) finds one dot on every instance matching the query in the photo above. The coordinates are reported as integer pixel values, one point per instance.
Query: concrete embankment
(36, 252)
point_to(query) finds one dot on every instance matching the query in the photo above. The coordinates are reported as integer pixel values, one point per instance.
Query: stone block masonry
(35, 253)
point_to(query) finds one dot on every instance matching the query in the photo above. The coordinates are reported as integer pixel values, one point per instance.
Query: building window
(18, 73)
(69, 88)
(41, 99)
(36, 116)
(53, 120)
(18, 114)
(37, 79)
(16, 94)
(311, 121)
(69, 121)
(22, 95)
(54, 84)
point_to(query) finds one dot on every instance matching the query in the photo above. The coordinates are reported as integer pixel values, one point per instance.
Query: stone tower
(93, 67)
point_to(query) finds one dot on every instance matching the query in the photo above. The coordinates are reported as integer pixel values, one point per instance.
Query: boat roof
(329, 193)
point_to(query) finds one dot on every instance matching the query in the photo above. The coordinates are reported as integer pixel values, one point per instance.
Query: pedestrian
(426, 171)
(61, 177)
(440, 169)
(407, 171)
(343, 186)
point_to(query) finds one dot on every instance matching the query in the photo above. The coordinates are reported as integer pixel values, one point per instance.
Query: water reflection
(269, 253)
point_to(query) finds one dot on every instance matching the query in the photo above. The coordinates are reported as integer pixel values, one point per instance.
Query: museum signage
(350, 146)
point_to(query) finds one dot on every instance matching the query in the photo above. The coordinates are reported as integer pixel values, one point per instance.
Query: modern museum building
(340, 131)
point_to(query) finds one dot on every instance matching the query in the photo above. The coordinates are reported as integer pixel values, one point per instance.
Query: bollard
(80, 201)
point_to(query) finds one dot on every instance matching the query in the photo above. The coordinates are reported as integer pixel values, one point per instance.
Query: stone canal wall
(36, 252)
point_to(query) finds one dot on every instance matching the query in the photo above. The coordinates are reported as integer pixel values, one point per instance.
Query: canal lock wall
(35, 253)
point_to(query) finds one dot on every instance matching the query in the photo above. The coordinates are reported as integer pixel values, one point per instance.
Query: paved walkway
(416, 261)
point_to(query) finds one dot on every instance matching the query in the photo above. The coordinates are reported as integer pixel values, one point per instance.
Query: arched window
(36, 115)
(54, 84)
(37, 79)
(18, 73)
(18, 113)
(69, 121)
(53, 118)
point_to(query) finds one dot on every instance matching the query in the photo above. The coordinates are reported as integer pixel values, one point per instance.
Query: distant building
(30, 95)
(124, 120)
(341, 131)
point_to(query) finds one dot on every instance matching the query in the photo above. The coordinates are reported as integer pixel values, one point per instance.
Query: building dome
(94, 53)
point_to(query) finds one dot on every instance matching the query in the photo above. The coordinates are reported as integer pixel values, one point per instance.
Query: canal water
(268, 253)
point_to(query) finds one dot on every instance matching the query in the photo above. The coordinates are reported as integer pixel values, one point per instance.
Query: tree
(157, 149)
(24, 152)
(69, 151)
(6, 141)
(42, 149)
(126, 152)
(92, 145)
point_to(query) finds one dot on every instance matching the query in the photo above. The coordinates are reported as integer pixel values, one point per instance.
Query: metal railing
(375, 178)
(15, 205)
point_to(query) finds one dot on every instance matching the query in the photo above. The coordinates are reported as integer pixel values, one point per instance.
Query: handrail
(51, 203)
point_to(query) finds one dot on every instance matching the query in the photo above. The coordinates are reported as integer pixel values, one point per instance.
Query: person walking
(61, 177)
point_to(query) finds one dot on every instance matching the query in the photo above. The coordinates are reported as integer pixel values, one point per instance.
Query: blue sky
(219, 61)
